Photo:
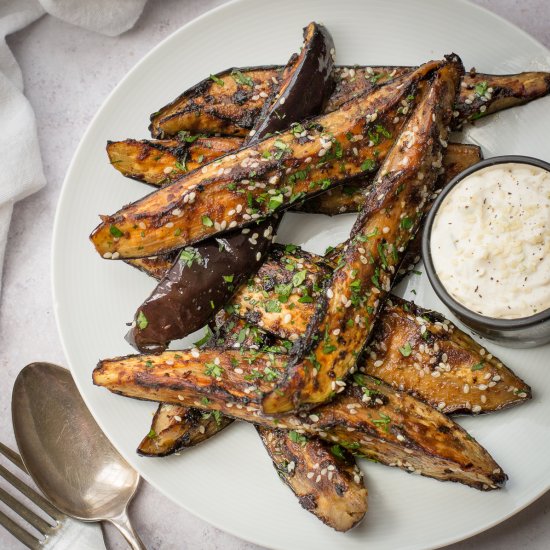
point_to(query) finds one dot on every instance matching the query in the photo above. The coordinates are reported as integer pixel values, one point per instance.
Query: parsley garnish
(115, 231)
(338, 452)
(240, 78)
(368, 165)
(189, 255)
(142, 321)
(297, 438)
(213, 370)
(299, 278)
(207, 222)
(383, 421)
(217, 80)
(478, 366)
(405, 350)
(481, 88)
(406, 223)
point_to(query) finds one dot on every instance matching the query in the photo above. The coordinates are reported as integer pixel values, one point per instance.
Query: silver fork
(60, 532)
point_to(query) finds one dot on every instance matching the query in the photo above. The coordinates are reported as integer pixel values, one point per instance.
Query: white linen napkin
(20, 163)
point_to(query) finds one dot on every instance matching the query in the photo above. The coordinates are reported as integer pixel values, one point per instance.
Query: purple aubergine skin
(188, 296)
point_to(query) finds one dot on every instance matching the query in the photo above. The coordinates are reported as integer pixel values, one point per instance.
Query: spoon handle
(122, 523)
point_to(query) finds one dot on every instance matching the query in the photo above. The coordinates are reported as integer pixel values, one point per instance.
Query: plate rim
(55, 269)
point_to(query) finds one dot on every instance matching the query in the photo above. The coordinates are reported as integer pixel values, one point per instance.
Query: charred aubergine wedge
(393, 209)
(257, 181)
(234, 107)
(176, 427)
(326, 480)
(136, 160)
(370, 417)
(195, 288)
(159, 162)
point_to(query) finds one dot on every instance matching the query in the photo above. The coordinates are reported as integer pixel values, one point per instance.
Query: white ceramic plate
(230, 481)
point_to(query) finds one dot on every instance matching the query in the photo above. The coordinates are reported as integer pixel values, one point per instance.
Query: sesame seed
(310, 475)
(282, 101)
(258, 256)
(202, 429)
(108, 255)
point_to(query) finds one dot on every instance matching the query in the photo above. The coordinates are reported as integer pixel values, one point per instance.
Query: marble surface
(68, 73)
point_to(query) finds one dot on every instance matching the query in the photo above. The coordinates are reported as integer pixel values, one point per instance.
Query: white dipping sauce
(490, 241)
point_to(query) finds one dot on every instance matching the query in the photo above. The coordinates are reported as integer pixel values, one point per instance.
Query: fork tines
(44, 527)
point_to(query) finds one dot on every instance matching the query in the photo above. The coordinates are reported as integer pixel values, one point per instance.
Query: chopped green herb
(217, 80)
(275, 201)
(338, 452)
(384, 421)
(406, 350)
(273, 306)
(213, 370)
(478, 366)
(297, 438)
(406, 223)
(299, 278)
(368, 165)
(152, 434)
(240, 78)
(142, 321)
(115, 231)
(207, 222)
(189, 255)
(186, 136)
(228, 278)
(481, 88)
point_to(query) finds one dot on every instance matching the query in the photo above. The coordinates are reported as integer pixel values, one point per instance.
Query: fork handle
(122, 523)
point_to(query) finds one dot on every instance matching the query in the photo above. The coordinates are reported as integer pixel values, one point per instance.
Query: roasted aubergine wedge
(257, 181)
(233, 108)
(176, 427)
(393, 209)
(421, 352)
(368, 416)
(327, 484)
(159, 162)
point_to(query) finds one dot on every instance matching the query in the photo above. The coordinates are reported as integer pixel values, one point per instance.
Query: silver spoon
(66, 453)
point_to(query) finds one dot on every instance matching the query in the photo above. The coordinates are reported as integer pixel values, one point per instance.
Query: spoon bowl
(66, 453)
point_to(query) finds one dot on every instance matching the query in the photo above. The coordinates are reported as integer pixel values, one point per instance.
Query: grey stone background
(68, 73)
